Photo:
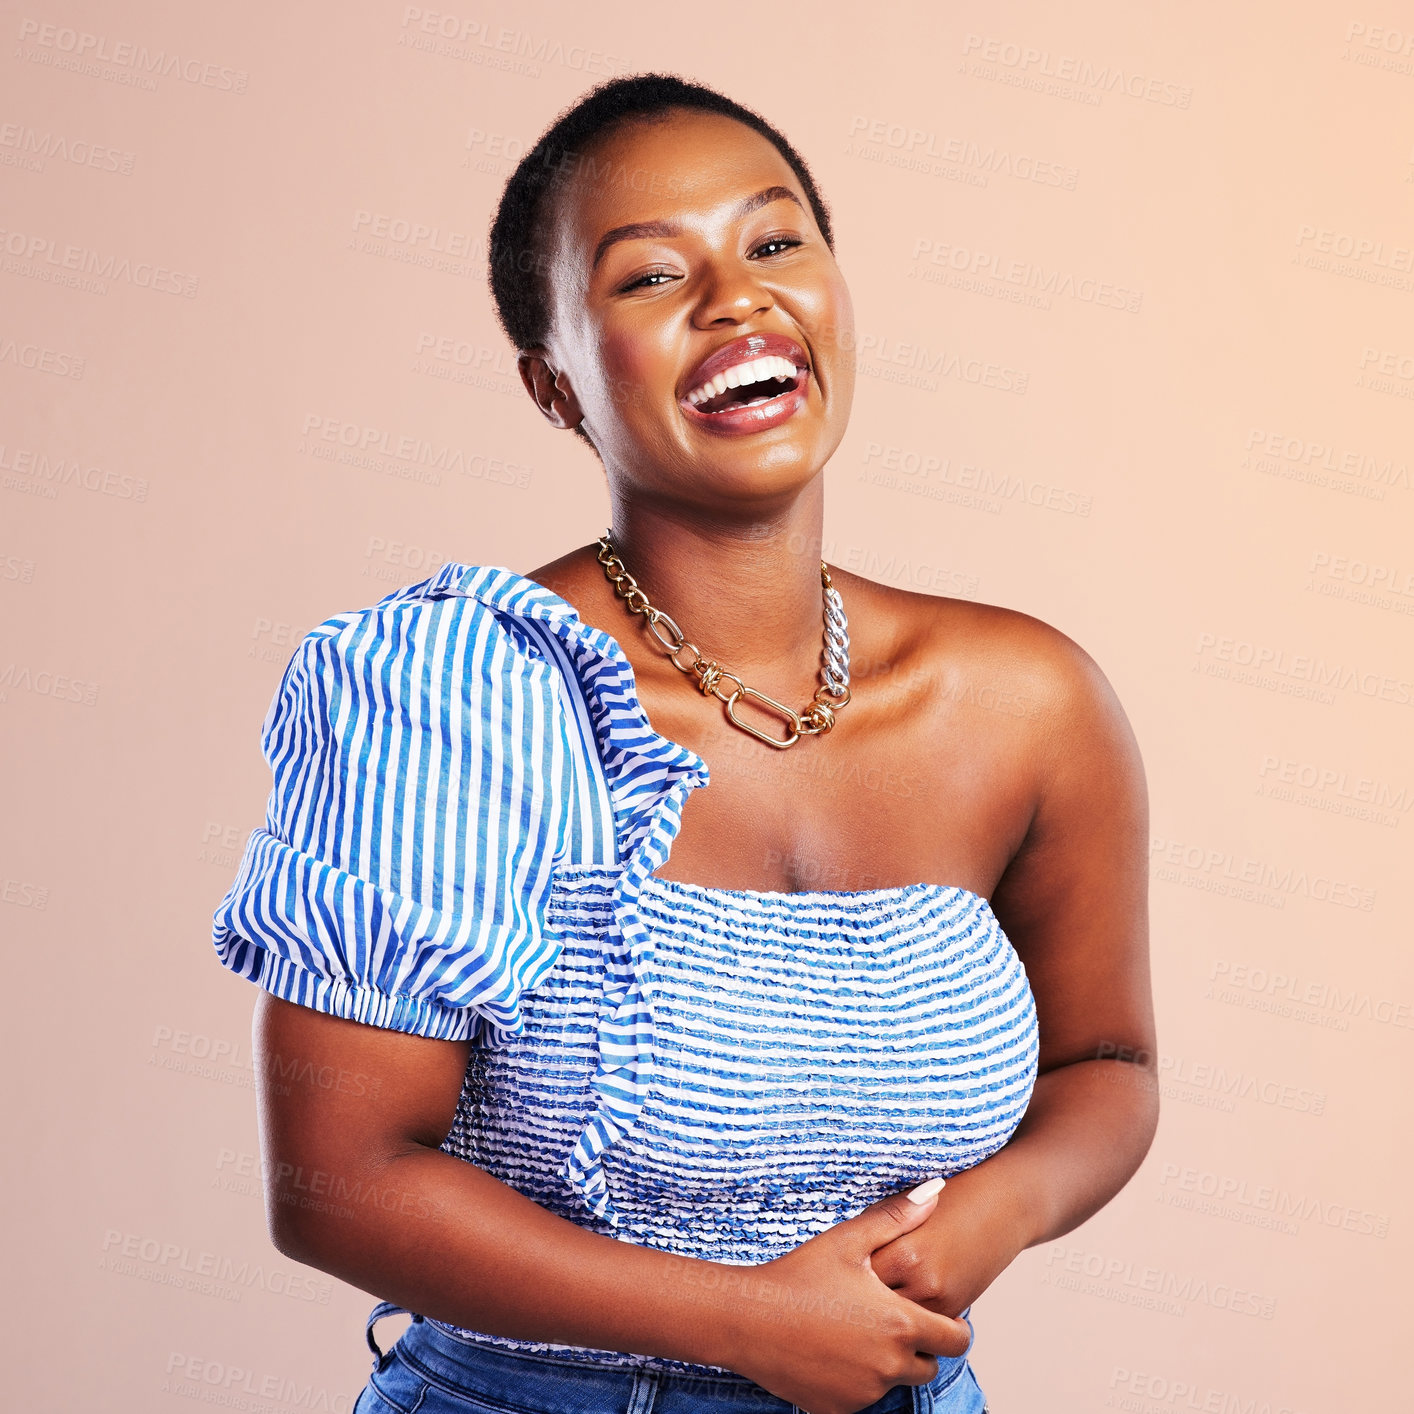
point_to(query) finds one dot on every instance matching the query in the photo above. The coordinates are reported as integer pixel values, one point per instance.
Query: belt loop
(383, 1308)
(645, 1392)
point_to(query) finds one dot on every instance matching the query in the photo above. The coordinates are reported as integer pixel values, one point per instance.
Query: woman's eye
(653, 278)
(786, 242)
(644, 279)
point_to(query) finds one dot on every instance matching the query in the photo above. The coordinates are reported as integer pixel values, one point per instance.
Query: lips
(744, 350)
(764, 403)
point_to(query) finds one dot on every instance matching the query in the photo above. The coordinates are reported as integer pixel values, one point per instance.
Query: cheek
(844, 316)
(832, 321)
(845, 306)
(632, 366)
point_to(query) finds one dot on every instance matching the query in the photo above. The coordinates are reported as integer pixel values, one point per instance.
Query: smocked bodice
(813, 1053)
(469, 809)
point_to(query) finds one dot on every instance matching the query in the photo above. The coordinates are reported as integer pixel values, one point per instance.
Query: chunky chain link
(816, 718)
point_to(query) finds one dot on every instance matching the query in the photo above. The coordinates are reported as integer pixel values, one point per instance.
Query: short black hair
(516, 252)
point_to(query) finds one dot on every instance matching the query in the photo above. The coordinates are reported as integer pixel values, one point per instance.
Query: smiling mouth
(759, 380)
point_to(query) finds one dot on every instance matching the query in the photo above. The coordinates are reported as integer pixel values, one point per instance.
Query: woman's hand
(818, 1328)
(968, 1240)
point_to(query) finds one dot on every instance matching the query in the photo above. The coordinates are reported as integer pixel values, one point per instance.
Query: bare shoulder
(564, 575)
(1078, 751)
(1014, 714)
(1046, 802)
(1035, 659)
(1013, 667)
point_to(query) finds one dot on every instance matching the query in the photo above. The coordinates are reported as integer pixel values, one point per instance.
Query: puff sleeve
(401, 876)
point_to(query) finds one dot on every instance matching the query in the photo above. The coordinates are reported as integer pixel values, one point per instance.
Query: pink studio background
(1135, 303)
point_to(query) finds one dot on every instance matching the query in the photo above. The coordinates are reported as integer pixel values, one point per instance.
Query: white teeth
(760, 370)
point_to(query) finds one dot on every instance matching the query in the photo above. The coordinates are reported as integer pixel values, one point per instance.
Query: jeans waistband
(464, 1364)
(480, 1368)
(483, 1354)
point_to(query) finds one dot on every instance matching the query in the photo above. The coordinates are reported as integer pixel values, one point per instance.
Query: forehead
(685, 162)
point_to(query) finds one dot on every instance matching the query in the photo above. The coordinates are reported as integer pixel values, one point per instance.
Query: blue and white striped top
(469, 805)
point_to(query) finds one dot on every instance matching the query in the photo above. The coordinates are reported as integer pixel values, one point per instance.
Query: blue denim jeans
(429, 1371)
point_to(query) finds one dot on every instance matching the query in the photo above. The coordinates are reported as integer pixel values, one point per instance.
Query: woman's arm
(1074, 902)
(351, 1122)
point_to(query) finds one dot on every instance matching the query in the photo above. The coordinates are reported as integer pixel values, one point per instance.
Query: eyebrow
(648, 230)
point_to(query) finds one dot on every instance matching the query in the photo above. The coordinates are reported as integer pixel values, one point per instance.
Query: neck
(748, 594)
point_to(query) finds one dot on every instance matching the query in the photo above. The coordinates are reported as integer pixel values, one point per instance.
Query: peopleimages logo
(1122, 1279)
(459, 37)
(1207, 1083)
(40, 359)
(984, 270)
(412, 457)
(1085, 74)
(65, 48)
(1259, 874)
(1282, 777)
(1266, 1198)
(1299, 674)
(1284, 993)
(208, 1273)
(1297, 458)
(33, 149)
(54, 472)
(1145, 1392)
(928, 151)
(906, 468)
(41, 254)
(230, 1386)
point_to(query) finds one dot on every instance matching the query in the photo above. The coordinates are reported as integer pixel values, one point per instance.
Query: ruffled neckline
(510, 592)
(648, 777)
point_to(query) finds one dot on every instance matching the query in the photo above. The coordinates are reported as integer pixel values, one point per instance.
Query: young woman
(562, 1047)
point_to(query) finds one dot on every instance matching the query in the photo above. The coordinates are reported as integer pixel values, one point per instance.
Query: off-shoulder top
(469, 804)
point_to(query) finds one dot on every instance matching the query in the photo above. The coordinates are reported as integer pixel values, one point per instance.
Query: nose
(732, 294)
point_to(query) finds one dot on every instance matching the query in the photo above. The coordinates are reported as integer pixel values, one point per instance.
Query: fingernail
(925, 1191)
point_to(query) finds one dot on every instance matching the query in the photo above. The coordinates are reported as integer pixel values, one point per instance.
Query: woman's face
(685, 260)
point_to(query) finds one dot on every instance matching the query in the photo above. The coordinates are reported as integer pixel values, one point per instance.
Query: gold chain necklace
(819, 714)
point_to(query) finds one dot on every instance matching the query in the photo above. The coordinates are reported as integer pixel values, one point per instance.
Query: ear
(551, 391)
